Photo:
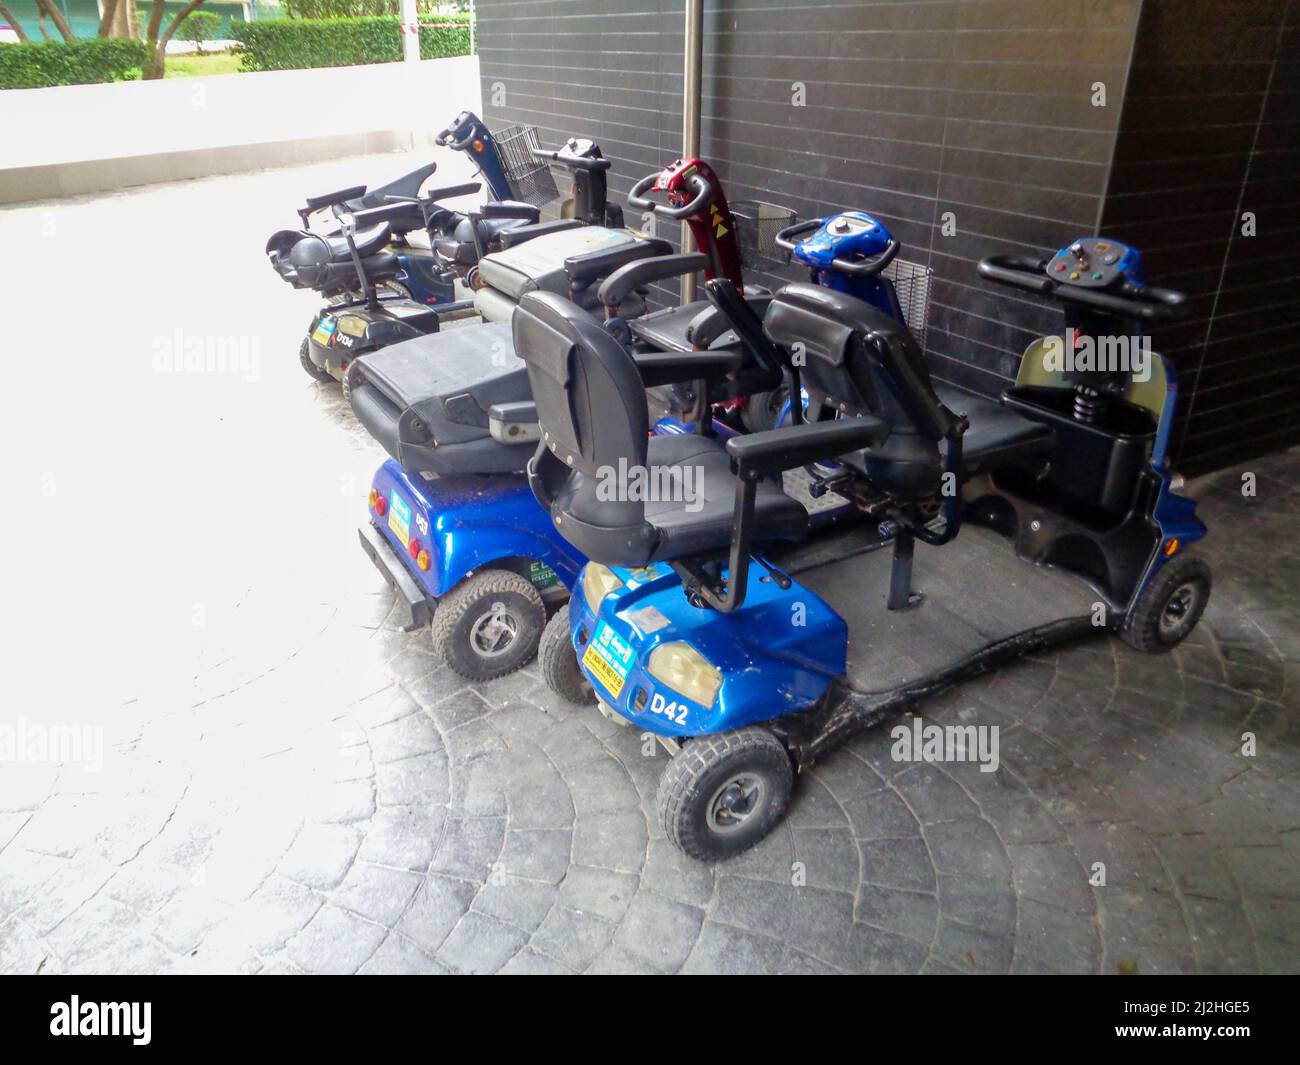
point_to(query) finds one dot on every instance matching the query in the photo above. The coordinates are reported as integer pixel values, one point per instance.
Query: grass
(202, 66)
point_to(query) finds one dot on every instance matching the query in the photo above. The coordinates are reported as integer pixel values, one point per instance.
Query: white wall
(44, 130)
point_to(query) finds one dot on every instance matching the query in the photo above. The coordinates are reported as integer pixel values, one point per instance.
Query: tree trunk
(14, 24)
(48, 7)
(157, 68)
(106, 19)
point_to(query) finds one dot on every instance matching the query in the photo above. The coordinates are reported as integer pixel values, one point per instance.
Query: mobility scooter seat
(431, 412)
(590, 396)
(998, 437)
(708, 520)
(460, 247)
(538, 265)
(369, 240)
(845, 338)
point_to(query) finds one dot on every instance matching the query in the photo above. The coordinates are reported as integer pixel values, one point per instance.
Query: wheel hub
(494, 632)
(1177, 609)
(735, 802)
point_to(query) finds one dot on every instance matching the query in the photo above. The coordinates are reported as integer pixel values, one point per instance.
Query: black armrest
(508, 210)
(510, 238)
(591, 266)
(773, 450)
(674, 367)
(712, 322)
(615, 288)
(451, 191)
(519, 411)
(315, 203)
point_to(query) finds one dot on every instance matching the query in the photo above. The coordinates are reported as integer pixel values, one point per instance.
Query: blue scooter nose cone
(844, 235)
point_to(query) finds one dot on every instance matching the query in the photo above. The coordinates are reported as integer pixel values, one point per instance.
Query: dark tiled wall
(1211, 130)
(917, 108)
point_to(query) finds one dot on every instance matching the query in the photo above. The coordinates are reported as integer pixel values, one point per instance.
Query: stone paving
(291, 785)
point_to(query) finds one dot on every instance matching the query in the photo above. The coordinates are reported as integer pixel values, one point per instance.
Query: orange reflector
(422, 560)
(374, 498)
(1171, 547)
(478, 146)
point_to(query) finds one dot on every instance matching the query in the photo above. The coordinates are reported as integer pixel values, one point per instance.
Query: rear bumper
(415, 607)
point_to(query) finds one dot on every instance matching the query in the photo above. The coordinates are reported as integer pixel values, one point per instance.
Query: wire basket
(530, 178)
(757, 224)
(912, 283)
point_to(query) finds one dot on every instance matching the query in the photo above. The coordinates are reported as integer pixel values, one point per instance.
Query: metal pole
(691, 112)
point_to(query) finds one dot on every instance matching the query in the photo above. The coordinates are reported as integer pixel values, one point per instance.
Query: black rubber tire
(761, 409)
(701, 768)
(560, 665)
(343, 384)
(304, 357)
(468, 604)
(1144, 631)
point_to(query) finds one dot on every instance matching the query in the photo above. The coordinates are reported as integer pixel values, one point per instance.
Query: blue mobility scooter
(751, 649)
(453, 526)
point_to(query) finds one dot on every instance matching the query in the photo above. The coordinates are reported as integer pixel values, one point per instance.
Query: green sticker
(542, 575)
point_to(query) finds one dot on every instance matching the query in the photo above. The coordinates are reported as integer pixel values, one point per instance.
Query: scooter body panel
(338, 334)
(427, 278)
(778, 654)
(466, 524)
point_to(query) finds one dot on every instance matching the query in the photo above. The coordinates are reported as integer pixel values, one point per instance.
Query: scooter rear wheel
(560, 665)
(304, 357)
(489, 625)
(722, 794)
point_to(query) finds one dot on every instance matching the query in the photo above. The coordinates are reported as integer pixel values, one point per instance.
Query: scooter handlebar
(787, 238)
(1146, 304)
(575, 162)
(444, 139)
(868, 267)
(636, 198)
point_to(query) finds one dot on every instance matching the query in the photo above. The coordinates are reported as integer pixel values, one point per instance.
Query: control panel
(1096, 262)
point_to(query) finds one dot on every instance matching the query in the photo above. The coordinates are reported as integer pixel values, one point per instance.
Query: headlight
(597, 582)
(685, 670)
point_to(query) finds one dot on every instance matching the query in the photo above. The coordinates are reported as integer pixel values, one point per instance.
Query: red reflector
(381, 506)
(413, 548)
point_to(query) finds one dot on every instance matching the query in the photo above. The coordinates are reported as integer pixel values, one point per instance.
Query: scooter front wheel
(489, 625)
(722, 794)
(304, 357)
(1170, 606)
(559, 664)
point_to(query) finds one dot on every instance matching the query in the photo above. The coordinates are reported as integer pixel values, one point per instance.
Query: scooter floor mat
(974, 591)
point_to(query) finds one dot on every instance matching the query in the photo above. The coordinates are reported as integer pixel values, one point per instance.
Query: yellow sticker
(603, 671)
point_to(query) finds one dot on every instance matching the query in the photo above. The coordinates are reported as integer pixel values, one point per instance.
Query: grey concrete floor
(286, 783)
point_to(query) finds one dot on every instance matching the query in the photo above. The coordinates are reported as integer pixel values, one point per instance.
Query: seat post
(900, 574)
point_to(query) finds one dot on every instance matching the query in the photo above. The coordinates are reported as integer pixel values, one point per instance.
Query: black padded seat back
(859, 360)
(592, 410)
